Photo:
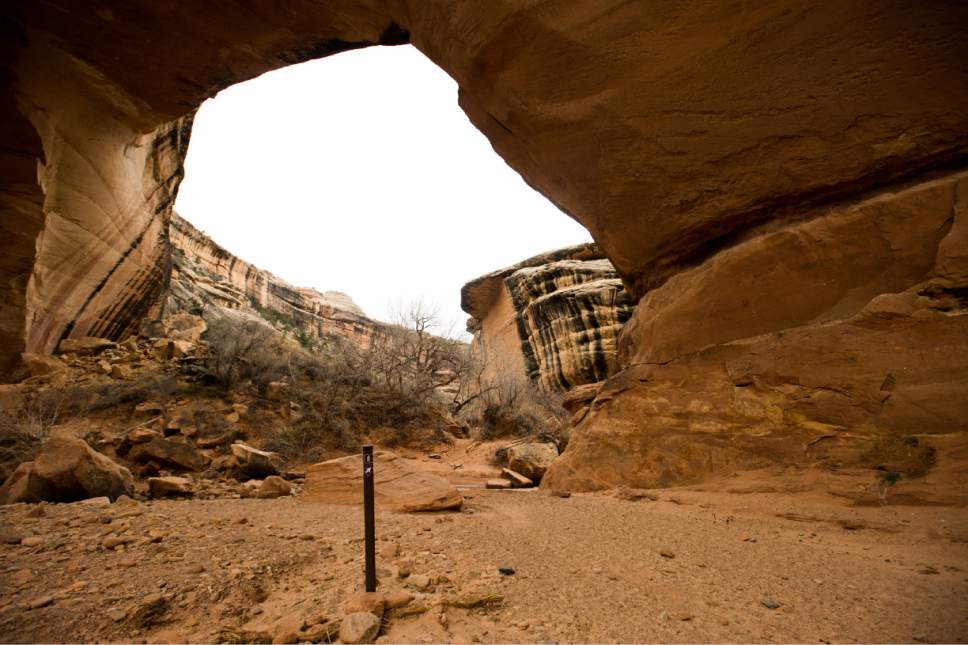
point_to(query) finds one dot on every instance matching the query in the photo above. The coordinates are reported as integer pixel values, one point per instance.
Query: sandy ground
(689, 566)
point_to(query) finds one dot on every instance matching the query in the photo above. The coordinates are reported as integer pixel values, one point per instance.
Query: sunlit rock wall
(553, 319)
(204, 274)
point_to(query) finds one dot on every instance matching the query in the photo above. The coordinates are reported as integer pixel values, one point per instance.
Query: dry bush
(245, 350)
(900, 454)
(25, 427)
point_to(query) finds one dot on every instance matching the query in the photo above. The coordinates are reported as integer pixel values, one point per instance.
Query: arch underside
(748, 170)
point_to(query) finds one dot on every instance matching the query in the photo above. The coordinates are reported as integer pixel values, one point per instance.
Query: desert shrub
(900, 455)
(25, 427)
(245, 350)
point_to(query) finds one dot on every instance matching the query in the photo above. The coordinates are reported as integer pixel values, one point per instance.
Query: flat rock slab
(397, 485)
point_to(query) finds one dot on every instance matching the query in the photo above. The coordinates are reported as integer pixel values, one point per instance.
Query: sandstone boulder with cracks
(66, 470)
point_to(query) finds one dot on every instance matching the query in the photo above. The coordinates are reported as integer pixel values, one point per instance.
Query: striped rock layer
(205, 274)
(554, 318)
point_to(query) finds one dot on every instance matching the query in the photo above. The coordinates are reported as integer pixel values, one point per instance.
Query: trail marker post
(369, 519)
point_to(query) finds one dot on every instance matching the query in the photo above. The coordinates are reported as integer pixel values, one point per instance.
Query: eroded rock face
(790, 347)
(553, 319)
(205, 276)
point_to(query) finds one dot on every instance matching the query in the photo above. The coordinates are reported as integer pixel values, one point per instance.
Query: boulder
(185, 327)
(359, 627)
(397, 484)
(168, 451)
(67, 470)
(274, 486)
(85, 346)
(41, 365)
(170, 487)
(121, 372)
(532, 459)
(257, 463)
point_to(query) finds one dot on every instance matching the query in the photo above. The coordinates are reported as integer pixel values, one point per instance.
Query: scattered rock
(168, 451)
(682, 615)
(117, 615)
(37, 603)
(32, 541)
(369, 602)
(497, 484)
(565, 494)
(517, 479)
(390, 550)
(170, 487)
(360, 627)
(113, 541)
(96, 502)
(239, 636)
(667, 553)
(274, 486)
(121, 372)
(769, 603)
(532, 459)
(149, 610)
(505, 571)
(397, 599)
(420, 582)
(255, 462)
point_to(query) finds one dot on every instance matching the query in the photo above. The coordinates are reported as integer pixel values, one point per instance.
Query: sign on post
(369, 519)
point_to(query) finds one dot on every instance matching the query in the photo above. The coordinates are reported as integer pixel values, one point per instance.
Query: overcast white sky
(359, 173)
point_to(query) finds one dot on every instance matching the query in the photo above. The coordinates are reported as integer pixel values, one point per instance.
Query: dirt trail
(691, 566)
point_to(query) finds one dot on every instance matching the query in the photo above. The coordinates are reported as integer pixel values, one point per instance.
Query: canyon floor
(732, 562)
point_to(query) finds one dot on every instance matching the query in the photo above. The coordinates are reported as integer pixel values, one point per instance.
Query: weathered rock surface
(170, 487)
(273, 486)
(66, 470)
(397, 485)
(208, 277)
(255, 462)
(168, 452)
(731, 368)
(359, 627)
(532, 459)
(553, 319)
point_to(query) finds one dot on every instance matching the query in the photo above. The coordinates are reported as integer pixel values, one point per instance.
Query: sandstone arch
(674, 131)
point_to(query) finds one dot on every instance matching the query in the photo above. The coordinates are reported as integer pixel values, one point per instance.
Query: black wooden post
(369, 518)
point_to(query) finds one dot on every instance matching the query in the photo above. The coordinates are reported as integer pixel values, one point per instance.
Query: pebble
(666, 553)
(117, 615)
(32, 540)
(769, 603)
(505, 571)
(361, 627)
(37, 603)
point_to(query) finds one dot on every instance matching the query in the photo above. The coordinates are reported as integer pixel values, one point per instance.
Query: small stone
(682, 615)
(170, 487)
(114, 541)
(32, 540)
(97, 502)
(666, 553)
(361, 627)
(497, 484)
(117, 615)
(769, 603)
(390, 550)
(370, 602)
(37, 603)
(273, 486)
(565, 494)
(398, 599)
(505, 571)
(419, 582)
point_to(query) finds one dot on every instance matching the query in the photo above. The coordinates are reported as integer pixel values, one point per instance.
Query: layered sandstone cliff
(552, 319)
(759, 174)
(205, 276)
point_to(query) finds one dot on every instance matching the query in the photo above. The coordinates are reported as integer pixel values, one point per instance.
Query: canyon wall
(763, 176)
(552, 319)
(206, 276)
